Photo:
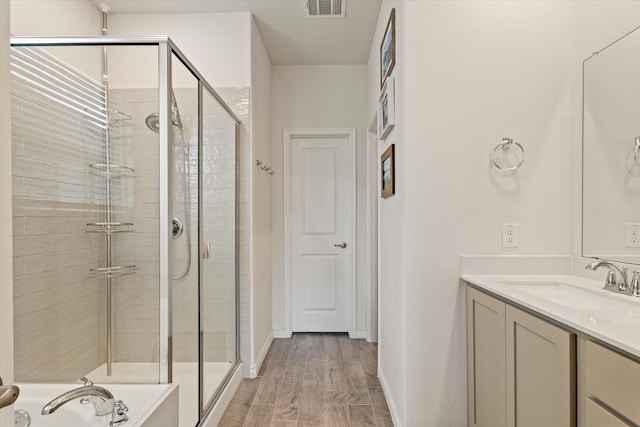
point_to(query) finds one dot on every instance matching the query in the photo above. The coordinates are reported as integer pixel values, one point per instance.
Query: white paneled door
(321, 226)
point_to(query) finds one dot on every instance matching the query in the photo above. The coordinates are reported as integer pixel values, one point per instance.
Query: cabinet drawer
(614, 379)
(597, 416)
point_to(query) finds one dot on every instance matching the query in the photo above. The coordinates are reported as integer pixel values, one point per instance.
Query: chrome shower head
(153, 122)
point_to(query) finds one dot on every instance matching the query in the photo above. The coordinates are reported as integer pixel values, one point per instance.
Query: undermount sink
(572, 296)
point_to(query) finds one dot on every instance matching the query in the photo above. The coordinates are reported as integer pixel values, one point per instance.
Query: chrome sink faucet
(102, 399)
(616, 277)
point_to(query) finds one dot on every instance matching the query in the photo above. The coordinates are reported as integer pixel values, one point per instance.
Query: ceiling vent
(326, 8)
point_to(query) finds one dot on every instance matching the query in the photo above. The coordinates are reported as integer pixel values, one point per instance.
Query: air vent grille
(326, 8)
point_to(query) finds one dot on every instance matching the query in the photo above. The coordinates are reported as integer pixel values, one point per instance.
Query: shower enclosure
(125, 218)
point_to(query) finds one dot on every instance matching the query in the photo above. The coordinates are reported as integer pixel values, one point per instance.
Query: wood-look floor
(312, 380)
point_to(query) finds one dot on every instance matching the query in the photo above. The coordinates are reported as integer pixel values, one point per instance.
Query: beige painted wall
(323, 96)
(261, 196)
(468, 74)
(392, 335)
(217, 44)
(61, 18)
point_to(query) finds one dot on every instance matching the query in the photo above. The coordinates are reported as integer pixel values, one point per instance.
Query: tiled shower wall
(135, 307)
(59, 310)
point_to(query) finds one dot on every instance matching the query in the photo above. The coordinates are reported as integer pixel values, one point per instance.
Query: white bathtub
(149, 405)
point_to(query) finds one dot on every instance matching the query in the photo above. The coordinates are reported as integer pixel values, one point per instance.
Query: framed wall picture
(388, 48)
(387, 169)
(386, 108)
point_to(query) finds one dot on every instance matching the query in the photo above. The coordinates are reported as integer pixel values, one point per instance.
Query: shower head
(153, 120)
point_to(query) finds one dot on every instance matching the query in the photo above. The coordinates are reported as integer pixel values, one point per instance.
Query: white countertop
(619, 328)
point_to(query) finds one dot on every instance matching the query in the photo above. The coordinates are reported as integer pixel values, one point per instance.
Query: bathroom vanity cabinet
(486, 360)
(521, 369)
(612, 388)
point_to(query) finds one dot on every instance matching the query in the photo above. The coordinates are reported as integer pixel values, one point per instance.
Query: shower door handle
(205, 250)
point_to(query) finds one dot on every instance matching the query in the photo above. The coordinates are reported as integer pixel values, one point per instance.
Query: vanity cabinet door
(485, 360)
(597, 416)
(540, 372)
(614, 380)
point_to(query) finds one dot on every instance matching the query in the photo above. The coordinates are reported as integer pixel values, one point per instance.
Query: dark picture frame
(387, 173)
(388, 49)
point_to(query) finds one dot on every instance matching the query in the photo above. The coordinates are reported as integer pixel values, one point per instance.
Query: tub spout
(101, 398)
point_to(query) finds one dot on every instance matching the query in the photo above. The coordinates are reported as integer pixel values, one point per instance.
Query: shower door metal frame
(166, 48)
(166, 211)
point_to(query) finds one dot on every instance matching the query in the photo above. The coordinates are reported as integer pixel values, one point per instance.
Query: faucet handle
(119, 414)
(635, 284)
(623, 284)
(611, 279)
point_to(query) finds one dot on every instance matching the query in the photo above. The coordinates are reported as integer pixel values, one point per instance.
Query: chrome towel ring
(636, 149)
(506, 145)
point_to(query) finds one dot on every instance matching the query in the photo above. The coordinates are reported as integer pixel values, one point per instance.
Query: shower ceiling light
(326, 8)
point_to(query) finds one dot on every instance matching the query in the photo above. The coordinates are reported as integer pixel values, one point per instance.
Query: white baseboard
(214, 417)
(281, 334)
(395, 416)
(284, 334)
(263, 353)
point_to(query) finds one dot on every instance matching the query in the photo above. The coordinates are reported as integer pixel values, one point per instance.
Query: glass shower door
(186, 278)
(218, 275)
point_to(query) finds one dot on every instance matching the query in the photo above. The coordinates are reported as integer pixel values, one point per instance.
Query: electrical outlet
(633, 235)
(510, 235)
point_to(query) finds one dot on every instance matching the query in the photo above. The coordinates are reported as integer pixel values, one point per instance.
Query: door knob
(341, 245)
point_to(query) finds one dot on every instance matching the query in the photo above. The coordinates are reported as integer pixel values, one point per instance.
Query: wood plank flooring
(324, 380)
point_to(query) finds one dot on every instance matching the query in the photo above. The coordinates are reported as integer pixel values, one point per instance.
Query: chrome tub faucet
(101, 398)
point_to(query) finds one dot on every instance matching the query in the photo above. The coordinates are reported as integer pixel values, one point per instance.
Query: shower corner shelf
(108, 272)
(111, 171)
(109, 227)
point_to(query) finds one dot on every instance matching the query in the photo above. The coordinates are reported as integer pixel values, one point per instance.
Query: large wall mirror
(611, 152)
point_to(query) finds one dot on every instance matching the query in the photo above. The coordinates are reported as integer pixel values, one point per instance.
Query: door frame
(288, 136)
(372, 161)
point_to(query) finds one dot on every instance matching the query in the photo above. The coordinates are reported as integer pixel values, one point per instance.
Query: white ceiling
(290, 36)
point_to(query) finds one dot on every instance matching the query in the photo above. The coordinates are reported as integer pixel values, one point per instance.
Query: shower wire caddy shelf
(110, 171)
(109, 227)
(118, 118)
(108, 272)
